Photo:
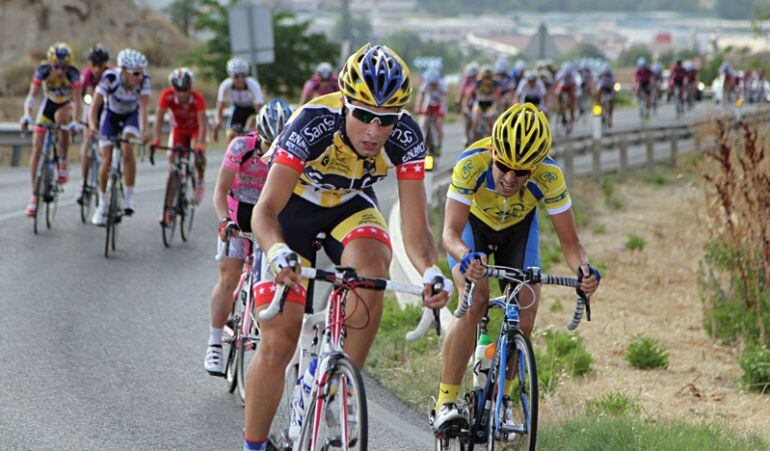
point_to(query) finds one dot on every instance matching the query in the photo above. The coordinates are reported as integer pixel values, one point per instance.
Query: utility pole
(345, 44)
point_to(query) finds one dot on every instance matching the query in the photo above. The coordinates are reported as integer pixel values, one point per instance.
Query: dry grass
(655, 292)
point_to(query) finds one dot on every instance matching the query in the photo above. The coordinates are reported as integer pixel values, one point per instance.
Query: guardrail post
(623, 168)
(650, 152)
(596, 158)
(15, 156)
(674, 148)
(696, 141)
(569, 163)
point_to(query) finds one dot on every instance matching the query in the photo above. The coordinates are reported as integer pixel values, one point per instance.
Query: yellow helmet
(377, 76)
(59, 53)
(521, 137)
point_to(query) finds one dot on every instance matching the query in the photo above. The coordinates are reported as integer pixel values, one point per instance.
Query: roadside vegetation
(594, 391)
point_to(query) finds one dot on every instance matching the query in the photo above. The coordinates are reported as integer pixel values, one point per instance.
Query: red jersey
(182, 116)
(643, 76)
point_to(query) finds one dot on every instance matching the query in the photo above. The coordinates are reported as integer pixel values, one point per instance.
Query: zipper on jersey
(505, 210)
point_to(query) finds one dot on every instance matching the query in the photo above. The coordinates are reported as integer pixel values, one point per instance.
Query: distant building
(533, 47)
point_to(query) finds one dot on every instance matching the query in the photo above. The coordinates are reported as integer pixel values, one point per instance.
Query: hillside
(115, 23)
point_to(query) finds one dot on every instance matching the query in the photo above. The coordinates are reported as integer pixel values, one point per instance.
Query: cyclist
(322, 82)
(325, 162)
(566, 84)
(586, 85)
(486, 95)
(531, 90)
(465, 97)
(237, 189)
(517, 73)
(729, 81)
(690, 82)
(60, 81)
(243, 92)
(431, 102)
(188, 126)
(658, 84)
(496, 186)
(643, 78)
(504, 83)
(605, 86)
(125, 94)
(676, 81)
(97, 56)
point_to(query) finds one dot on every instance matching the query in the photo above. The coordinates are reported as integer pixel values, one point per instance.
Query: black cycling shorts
(240, 115)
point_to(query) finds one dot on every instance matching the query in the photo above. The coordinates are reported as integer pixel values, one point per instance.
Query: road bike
(491, 415)
(645, 97)
(563, 115)
(47, 186)
(432, 144)
(679, 99)
(89, 191)
(177, 199)
(335, 414)
(605, 99)
(114, 193)
(240, 337)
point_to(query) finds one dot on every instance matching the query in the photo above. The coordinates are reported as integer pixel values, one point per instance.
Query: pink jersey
(242, 156)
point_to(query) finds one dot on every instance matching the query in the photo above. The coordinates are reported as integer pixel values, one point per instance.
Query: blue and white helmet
(131, 59)
(431, 76)
(641, 61)
(520, 65)
(237, 66)
(606, 68)
(271, 119)
(324, 70)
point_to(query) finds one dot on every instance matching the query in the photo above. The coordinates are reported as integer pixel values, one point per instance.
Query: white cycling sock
(101, 200)
(129, 193)
(215, 336)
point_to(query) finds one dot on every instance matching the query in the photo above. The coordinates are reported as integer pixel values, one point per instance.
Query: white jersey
(240, 97)
(433, 96)
(117, 97)
(526, 91)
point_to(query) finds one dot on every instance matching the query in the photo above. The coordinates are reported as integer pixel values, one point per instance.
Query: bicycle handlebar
(342, 276)
(531, 275)
(226, 248)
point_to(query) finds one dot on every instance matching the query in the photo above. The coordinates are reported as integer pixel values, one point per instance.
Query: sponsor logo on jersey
(319, 127)
(557, 198)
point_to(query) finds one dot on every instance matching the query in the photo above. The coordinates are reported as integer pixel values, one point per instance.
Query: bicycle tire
(341, 369)
(88, 199)
(527, 393)
(168, 230)
(228, 340)
(186, 208)
(111, 219)
(246, 350)
(52, 207)
(39, 194)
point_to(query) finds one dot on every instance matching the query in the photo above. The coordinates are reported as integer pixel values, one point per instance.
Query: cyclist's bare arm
(77, 94)
(224, 182)
(144, 101)
(418, 238)
(455, 217)
(93, 115)
(574, 252)
(160, 116)
(218, 119)
(203, 126)
(279, 186)
(29, 102)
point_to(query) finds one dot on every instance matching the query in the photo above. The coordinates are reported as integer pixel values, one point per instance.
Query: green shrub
(612, 403)
(600, 229)
(567, 352)
(559, 343)
(646, 353)
(755, 363)
(653, 177)
(547, 372)
(635, 243)
(550, 254)
(556, 306)
(578, 362)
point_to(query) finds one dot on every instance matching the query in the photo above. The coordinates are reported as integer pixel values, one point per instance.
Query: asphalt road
(107, 353)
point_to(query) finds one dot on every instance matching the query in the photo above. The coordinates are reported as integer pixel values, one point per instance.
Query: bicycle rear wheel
(88, 191)
(53, 206)
(186, 208)
(229, 336)
(39, 193)
(111, 221)
(169, 211)
(343, 413)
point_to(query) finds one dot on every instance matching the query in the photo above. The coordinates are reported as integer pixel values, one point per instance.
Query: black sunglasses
(505, 169)
(368, 116)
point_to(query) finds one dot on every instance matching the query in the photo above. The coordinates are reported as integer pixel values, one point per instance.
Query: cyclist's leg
(360, 238)
(130, 131)
(459, 340)
(62, 117)
(45, 115)
(440, 131)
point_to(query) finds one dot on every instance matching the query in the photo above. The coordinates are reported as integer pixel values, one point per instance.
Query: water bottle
(300, 399)
(481, 363)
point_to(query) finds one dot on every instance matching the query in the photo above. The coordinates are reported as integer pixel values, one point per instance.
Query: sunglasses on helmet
(368, 116)
(505, 169)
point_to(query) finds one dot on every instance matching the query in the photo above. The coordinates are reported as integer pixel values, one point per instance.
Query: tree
(296, 52)
(734, 9)
(182, 13)
(360, 31)
(629, 56)
(409, 47)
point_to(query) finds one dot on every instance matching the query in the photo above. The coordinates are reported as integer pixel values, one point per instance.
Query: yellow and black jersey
(57, 88)
(473, 185)
(331, 172)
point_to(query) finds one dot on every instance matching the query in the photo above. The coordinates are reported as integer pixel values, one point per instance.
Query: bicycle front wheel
(186, 209)
(113, 216)
(524, 399)
(87, 191)
(39, 194)
(342, 416)
(169, 210)
(53, 206)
